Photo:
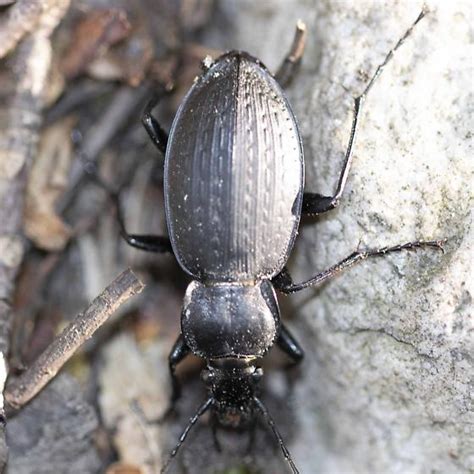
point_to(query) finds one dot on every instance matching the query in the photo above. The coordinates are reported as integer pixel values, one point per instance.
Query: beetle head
(233, 398)
(233, 385)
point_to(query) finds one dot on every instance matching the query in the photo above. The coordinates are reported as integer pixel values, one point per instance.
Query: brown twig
(293, 58)
(22, 389)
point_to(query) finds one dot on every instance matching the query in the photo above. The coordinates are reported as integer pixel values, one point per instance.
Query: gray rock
(134, 393)
(387, 382)
(54, 433)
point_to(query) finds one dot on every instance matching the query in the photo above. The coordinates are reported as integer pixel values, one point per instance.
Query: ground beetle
(233, 184)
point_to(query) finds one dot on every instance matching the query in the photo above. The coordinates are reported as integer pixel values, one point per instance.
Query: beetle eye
(207, 376)
(258, 374)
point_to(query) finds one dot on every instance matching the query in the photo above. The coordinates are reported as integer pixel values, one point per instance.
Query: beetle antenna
(266, 415)
(192, 421)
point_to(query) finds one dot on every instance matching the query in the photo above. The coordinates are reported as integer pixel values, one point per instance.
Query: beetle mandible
(234, 195)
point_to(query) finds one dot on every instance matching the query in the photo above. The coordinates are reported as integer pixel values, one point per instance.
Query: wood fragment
(127, 61)
(17, 22)
(55, 433)
(29, 299)
(99, 30)
(47, 182)
(24, 80)
(27, 16)
(293, 58)
(22, 389)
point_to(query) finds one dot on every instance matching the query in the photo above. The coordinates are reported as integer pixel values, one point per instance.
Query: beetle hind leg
(150, 243)
(290, 65)
(284, 283)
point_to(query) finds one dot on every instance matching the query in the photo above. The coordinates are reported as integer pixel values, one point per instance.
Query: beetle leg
(179, 351)
(289, 345)
(313, 203)
(149, 243)
(287, 286)
(283, 279)
(157, 134)
(290, 65)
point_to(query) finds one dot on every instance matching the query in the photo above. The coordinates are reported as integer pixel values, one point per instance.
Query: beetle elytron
(233, 184)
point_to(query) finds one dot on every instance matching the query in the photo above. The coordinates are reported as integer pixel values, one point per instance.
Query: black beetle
(234, 195)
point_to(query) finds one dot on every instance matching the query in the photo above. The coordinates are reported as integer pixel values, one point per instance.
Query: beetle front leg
(178, 353)
(153, 128)
(289, 345)
(290, 65)
(314, 203)
(283, 282)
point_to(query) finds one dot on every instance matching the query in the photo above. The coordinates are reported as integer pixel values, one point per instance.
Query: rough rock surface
(387, 382)
(134, 394)
(54, 433)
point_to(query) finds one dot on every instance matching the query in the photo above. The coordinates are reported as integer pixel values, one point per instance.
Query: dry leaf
(133, 394)
(47, 181)
(92, 37)
(129, 61)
